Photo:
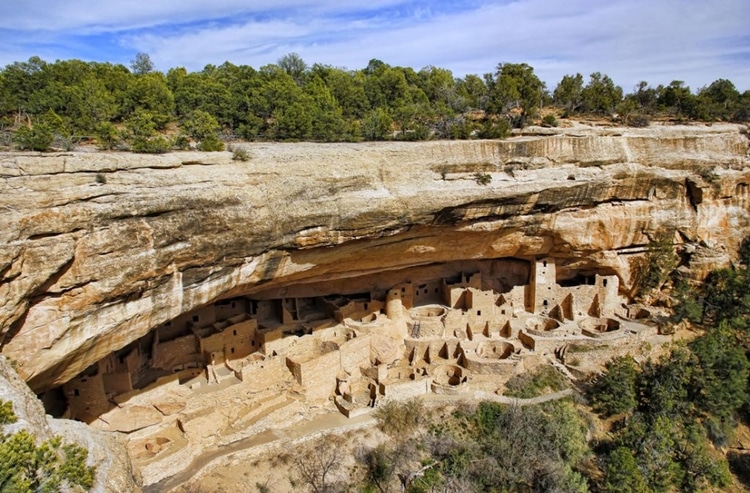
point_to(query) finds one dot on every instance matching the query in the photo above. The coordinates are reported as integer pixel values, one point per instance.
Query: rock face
(98, 249)
(113, 470)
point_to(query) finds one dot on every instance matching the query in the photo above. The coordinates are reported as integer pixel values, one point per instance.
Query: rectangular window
(196, 318)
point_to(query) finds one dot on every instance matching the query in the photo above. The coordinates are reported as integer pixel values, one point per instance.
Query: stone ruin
(444, 335)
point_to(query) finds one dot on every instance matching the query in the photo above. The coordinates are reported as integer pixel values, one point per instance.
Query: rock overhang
(97, 249)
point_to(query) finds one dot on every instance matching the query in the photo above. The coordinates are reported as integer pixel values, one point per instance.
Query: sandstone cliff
(113, 471)
(97, 249)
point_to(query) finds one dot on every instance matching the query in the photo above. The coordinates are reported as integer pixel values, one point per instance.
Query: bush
(499, 130)
(34, 138)
(153, 145)
(181, 142)
(107, 136)
(399, 419)
(46, 467)
(639, 121)
(549, 120)
(658, 265)
(482, 178)
(239, 154)
(615, 391)
(211, 144)
(544, 380)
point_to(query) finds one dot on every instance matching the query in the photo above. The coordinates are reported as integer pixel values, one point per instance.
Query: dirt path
(332, 422)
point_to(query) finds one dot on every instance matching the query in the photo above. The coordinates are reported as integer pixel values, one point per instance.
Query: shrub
(400, 418)
(658, 265)
(46, 467)
(639, 121)
(499, 130)
(549, 120)
(239, 154)
(482, 178)
(153, 145)
(35, 138)
(615, 391)
(532, 384)
(181, 142)
(211, 143)
(107, 136)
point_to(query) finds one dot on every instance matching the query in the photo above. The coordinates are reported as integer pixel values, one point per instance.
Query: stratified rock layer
(97, 249)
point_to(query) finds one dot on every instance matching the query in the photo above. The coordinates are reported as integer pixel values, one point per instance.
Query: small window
(232, 350)
(234, 304)
(436, 290)
(403, 290)
(544, 264)
(605, 283)
(76, 392)
(365, 306)
(479, 312)
(196, 318)
(502, 312)
(234, 332)
(168, 324)
(545, 303)
(253, 344)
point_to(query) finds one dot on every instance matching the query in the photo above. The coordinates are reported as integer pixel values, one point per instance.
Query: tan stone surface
(129, 418)
(169, 408)
(87, 267)
(105, 452)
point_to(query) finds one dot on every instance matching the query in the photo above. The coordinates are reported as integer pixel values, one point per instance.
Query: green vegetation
(49, 466)
(671, 413)
(488, 448)
(482, 178)
(400, 418)
(659, 263)
(543, 380)
(291, 100)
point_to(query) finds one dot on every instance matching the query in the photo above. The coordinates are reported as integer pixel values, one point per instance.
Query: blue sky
(697, 41)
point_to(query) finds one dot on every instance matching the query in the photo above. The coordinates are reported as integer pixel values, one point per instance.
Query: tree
(45, 467)
(615, 391)
(150, 93)
(36, 137)
(569, 93)
(294, 65)
(377, 125)
(677, 99)
(142, 64)
(293, 122)
(317, 465)
(600, 95)
(718, 100)
(719, 382)
(622, 475)
(200, 125)
(474, 92)
(516, 86)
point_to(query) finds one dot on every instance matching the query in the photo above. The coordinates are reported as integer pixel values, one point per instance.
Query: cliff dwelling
(192, 302)
(445, 329)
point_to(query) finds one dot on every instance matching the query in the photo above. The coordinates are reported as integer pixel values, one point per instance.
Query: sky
(696, 41)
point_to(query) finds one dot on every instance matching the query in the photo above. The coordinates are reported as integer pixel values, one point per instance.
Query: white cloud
(630, 40)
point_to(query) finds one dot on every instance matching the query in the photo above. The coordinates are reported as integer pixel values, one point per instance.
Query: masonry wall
(180, 351)
(87, 399)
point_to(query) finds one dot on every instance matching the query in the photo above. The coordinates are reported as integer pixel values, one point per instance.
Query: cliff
(113, 470)
(97, 249)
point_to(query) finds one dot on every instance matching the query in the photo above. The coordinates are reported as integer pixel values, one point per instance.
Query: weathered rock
(98, 249)
(106, 453)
